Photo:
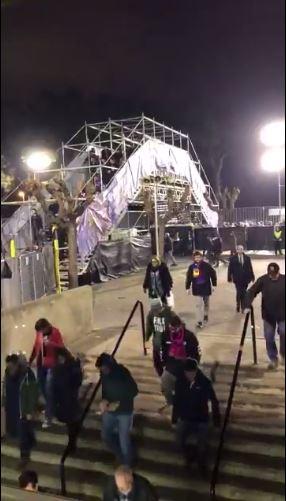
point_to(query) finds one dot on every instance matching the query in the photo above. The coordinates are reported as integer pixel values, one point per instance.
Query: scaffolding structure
(98, 150)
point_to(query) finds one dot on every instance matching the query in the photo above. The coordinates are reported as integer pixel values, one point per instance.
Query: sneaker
(46, 424)
(200, 325)
(206, 319)
(273, 365)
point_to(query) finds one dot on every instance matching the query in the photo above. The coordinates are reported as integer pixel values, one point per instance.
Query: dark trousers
(27, 437)
(157, 360)
(200, 431)
(72, 429)
(278, 247)
(240, 294)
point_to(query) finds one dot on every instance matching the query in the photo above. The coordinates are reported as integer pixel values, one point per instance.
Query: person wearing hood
(272, 288)
(118, 393)
(158, 280)
(193, 392)
(67, 379)
(48, 339)
(157, 324)
(23, 397)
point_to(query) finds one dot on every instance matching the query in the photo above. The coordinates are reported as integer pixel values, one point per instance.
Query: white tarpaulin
(108, 207)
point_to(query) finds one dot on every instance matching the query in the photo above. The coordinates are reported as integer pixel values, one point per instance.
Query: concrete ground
(219, 340)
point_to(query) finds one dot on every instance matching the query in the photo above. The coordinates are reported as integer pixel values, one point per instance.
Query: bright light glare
(273, 160)
(21, 194)
(273, 134)
(39, 161)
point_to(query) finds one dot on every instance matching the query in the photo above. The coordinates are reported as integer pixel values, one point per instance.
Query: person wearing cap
(272, 288)
(193, 392)
(118, 393)
(240, 272)
(202, 277)
(157, 324)
(158, 280)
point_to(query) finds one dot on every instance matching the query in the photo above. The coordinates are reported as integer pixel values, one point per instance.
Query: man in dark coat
(128, 486)
(272, 288)
(202, 277)
(193, 392)
(168, 250)
(118, 393)
(158, 280)
(157, 324)
(240, 272)
(66, 382)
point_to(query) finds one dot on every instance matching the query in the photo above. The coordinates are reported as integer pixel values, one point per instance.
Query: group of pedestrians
(53, 386)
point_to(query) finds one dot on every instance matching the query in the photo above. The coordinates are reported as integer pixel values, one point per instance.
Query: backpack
(177, 348)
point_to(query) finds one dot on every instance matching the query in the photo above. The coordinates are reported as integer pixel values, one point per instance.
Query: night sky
(184, 62)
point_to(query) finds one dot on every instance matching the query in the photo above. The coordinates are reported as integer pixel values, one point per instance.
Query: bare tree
(69, 210)
(174, 209)
(233, 194)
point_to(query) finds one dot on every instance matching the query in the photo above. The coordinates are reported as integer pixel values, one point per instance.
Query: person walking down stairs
(128, 486)
(48, 338)
(67, 379)
(178, 345)
(193, 392)
(272, 288)
(157, 325)
(118, 393)
(25, 393)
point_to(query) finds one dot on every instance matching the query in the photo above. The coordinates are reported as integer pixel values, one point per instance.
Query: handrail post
(253, 333)
(143, 328)
(228, 409)
(97, 386)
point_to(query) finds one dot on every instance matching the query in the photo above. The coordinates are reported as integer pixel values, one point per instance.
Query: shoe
(206, 318)
(273, 366)
(174, 264)
(200, 325)
(46, 424)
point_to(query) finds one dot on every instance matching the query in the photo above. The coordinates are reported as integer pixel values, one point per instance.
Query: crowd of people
(53, 385)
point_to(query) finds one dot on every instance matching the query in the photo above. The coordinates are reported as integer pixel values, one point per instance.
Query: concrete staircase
(252, 468)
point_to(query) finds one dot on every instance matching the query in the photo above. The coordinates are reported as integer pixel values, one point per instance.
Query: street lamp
(22, 195)
(272, 136)
(38, 161)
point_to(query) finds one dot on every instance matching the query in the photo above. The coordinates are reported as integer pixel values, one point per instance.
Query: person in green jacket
(157, 324)
(26, 397)
(118, 393)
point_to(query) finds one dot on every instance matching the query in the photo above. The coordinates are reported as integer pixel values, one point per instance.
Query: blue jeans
(45, 381)
(27, 437)
(116, 434)
(269, 334)
(200, 431)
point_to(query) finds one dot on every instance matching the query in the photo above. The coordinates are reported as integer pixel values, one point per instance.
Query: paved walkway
(219, 340)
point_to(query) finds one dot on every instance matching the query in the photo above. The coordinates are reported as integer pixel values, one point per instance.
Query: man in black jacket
(168, 250)
(157, 323)
(202, 277)
(118, 393)
(272, 288)
(240, 272)
(158, 280)
(127, 486)
(193, 392)
(178, 345)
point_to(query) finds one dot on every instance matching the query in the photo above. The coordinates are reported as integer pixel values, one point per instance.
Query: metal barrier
(98, 384)
(215, 473)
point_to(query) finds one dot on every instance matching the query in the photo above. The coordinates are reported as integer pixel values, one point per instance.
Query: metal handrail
(215, 473)
(98, 384)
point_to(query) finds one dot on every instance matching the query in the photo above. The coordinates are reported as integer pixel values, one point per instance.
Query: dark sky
(182, 61)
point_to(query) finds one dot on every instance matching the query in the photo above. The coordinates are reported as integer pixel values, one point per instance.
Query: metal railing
(253, 215)
(215, 473)
(98, 385)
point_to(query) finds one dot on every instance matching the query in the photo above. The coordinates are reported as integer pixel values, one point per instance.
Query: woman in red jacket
(48, 339)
